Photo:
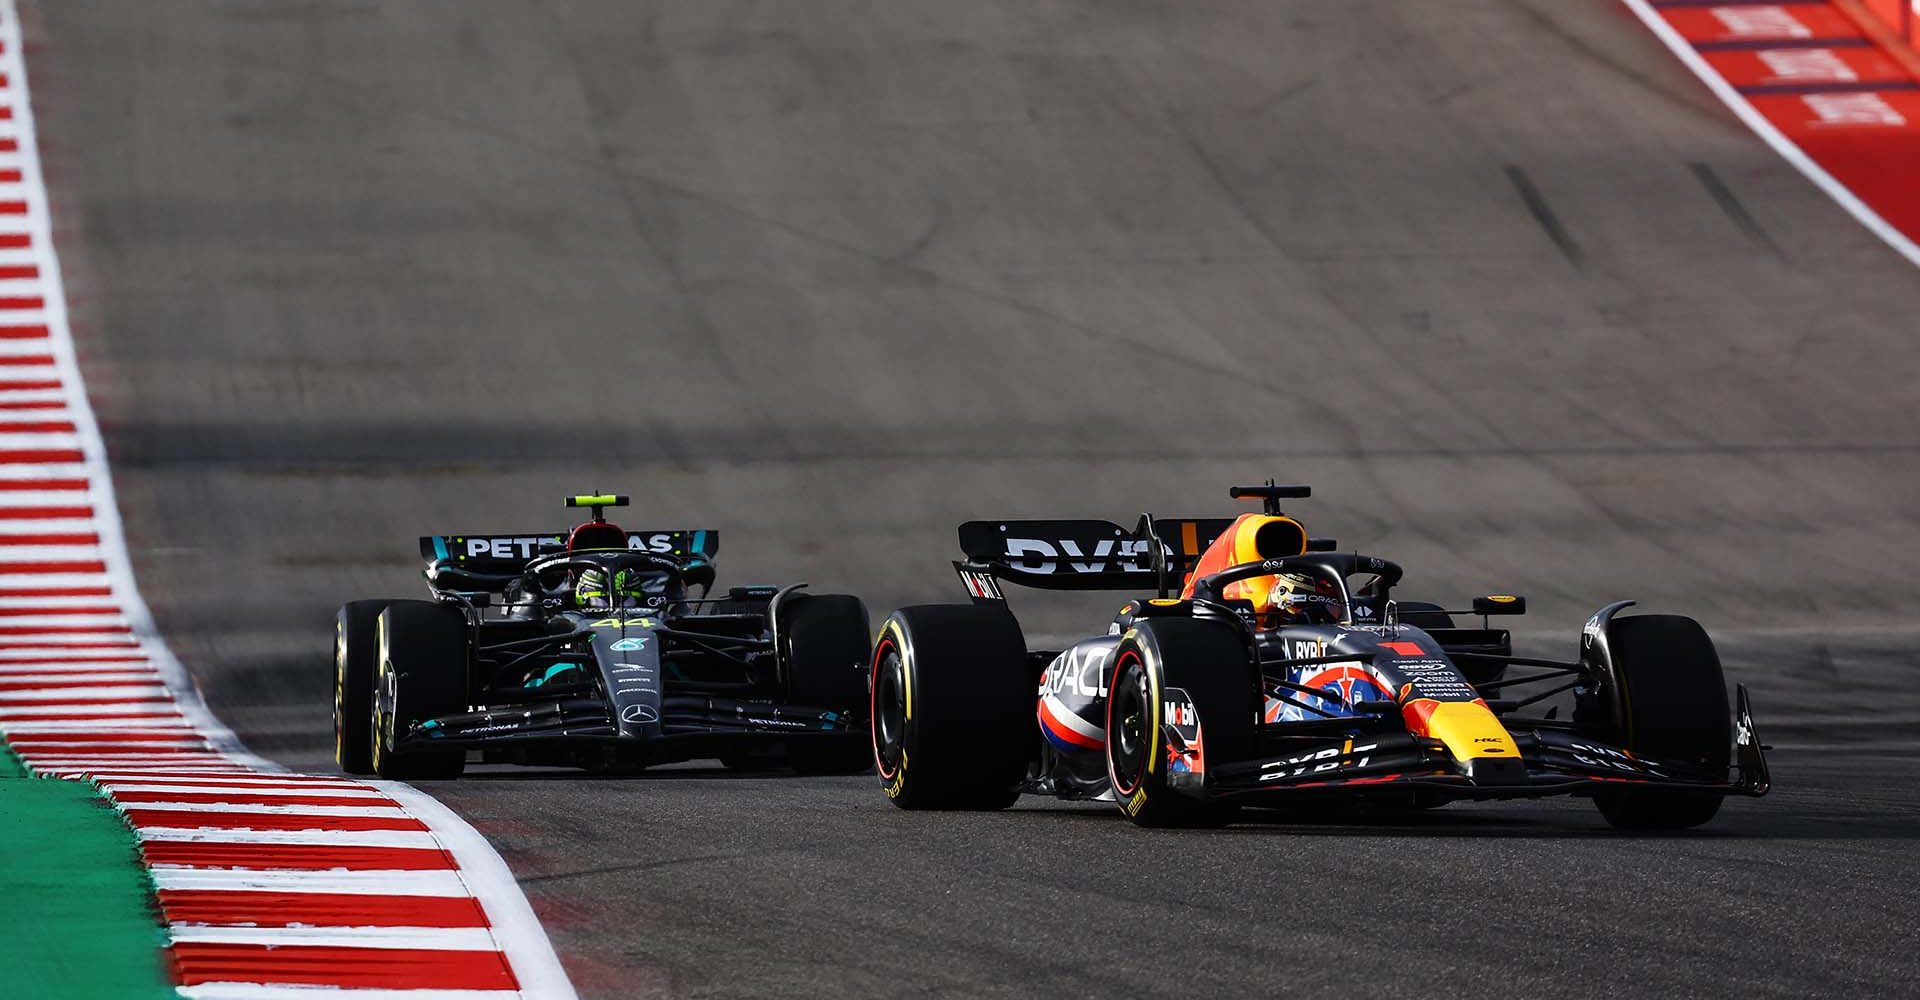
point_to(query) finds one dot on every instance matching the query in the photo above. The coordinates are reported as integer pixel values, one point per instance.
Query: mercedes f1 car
(1272, 669)
(587, 650)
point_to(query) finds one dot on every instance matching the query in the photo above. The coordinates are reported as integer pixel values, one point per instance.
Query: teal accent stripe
(439, 547)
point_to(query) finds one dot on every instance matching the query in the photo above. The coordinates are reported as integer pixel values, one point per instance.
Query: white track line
(1767, 131)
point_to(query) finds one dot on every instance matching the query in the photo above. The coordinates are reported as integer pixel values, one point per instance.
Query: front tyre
(421, 672)
(952, 711)
(1155, 662)
(354, 654)
(1670, 704)
(825, 649)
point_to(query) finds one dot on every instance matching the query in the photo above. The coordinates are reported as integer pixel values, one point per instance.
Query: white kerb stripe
(82, 693)
(117, 788)
(311, 838)
(49, 553)
(433, 938)
(268, 780)
(42, 498)
(54, 655)
(75, 730)
(259, 991)
(253, 809)
(46, 713)
(369, 883)
(80, 676)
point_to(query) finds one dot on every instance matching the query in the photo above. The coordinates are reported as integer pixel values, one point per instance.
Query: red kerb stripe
(51, 537)
(84, 566)
(386, 968)
(9, 485)
(69, 659)
(11, 683)
(317, 909)
(41, 513)
(33, 456)
(61, 629)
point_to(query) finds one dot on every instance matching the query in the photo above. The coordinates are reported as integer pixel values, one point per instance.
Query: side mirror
(1500, 604)
(1322, 545)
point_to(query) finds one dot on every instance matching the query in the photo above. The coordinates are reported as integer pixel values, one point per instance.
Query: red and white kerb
(271, 884)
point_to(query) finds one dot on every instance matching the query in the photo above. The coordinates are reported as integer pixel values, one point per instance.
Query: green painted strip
(79, 919)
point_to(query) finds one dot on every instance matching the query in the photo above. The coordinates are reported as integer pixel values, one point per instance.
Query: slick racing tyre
(825, 651)
(420, 672)
(952, 713)
(1209, 662)
(354, 652)
(1670, 704)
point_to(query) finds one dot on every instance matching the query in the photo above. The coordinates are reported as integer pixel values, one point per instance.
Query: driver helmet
(593, 588)
(1303, 599)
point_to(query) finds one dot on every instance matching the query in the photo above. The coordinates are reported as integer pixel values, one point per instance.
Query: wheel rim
(1127, 737)
(383, 721)
(890, 712)
(340, 695)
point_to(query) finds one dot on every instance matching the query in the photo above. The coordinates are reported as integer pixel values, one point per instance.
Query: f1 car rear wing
(500, 554)
(1081, 555)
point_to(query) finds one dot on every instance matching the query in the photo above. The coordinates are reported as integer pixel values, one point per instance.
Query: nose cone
(1481, 747)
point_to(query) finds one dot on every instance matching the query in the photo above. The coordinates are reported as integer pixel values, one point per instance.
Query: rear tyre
(354, 655)
(826, 654)
(1670, 704)
(421, 672)
(952, 712)
(1210, 663)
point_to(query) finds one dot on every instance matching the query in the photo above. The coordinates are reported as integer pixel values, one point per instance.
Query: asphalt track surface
(1526, 306)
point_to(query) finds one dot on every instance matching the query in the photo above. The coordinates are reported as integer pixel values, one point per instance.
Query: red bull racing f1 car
(592, 649)
(1271, 668)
